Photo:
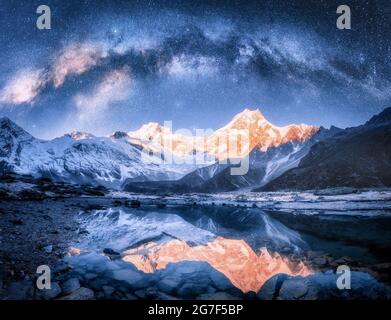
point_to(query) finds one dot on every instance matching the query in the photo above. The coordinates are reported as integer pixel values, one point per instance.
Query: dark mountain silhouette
(356, 157)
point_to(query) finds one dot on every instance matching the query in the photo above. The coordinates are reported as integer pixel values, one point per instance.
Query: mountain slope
(12, 139)
(144, 155)
(80, 158)
(263, 167)
(356, 157)
(247, 131)
(266, 165)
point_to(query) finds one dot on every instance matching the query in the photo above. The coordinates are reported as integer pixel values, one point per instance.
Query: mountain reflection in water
(246, 269)
(243, 245)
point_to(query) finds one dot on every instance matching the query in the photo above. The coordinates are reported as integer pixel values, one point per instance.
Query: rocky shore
(91, 280)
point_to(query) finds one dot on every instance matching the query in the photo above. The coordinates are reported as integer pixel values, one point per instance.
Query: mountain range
(249, 129)
(80, 158)
(358, 157)
(291, 157)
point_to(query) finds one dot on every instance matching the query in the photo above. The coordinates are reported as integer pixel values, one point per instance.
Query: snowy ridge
(146, 154)
(249, 129)
(81, 158)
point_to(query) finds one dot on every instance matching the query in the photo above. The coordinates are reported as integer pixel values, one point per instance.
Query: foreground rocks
(116, 280)
(323, 286)
(24, 187)
(194, 280)
(80, 294)
(34, 233)
(21, 290)
(188, 280)
(92, 276)
(71, 285)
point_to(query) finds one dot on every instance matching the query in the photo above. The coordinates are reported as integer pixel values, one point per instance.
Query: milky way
(114, 65)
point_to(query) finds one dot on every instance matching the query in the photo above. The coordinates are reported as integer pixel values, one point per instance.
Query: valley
(111, 225)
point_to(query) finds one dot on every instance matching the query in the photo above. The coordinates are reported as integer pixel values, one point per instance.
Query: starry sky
(115, 65)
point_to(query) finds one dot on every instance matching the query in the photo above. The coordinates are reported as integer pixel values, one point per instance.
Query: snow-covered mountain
(264, 166)
(261, 134)
(357, 157)
(151, 153)
(81, 158)
(246, 131)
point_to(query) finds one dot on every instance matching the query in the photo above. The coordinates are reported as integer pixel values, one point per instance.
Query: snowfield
(83, 158)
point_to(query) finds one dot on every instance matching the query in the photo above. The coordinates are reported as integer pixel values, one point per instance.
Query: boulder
(169, 284)
(272, 287)
(48, 249)
(89, 276)
(150, 294)
(60, 267)
(320, 261)
(21, 290)
(130, 296)
(190, 279)
(192, 290)
(108, 291)
(48, 294)
(323, 286)
(219, 295)
(131, 277)
(291, 289)
(80, 294)
(70, 285)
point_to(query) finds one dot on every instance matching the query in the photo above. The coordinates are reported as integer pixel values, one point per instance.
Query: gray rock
(150, 294)
(220, 281)
(70, 285)
(217, 296)
(48, 249)
(190, 279)
(320, 261)
(133, 278)
(60, 267)
(100, 295)
(293, 289)
(108, 291)
(271, 287)
(97, 283)
(169, 284)
(80, 294)
(90, 276)
(323, 286)
(21, 290)
(192, 290)
(130, 296)
(48, 294)
(147, 294)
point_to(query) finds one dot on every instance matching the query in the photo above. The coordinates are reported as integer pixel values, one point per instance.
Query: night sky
(114, 65)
